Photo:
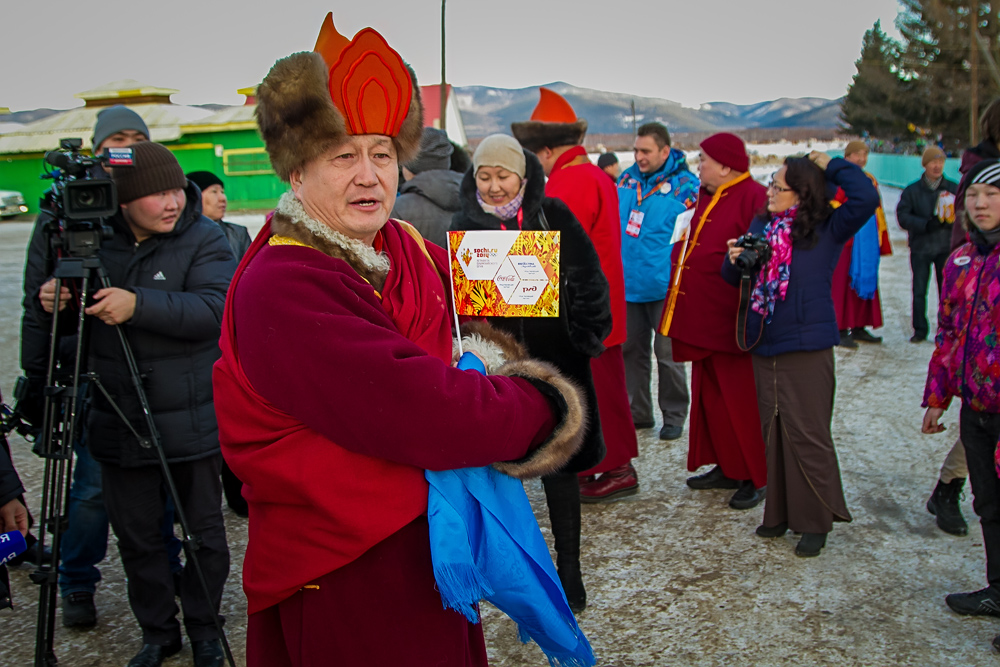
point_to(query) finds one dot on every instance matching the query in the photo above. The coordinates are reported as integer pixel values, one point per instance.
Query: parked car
(11, 204)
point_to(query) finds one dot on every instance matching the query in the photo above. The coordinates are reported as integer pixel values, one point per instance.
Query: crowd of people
(324, 350)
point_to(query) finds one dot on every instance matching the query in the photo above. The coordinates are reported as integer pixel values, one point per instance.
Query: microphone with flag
(12, 544)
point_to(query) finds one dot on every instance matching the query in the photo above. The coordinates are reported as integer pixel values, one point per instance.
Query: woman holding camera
(792, 328)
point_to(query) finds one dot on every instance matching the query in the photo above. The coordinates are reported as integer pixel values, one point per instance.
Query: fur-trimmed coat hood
(577, 335)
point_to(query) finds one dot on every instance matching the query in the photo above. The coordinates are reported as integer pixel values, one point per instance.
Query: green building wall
(239, 159)
(236, 156)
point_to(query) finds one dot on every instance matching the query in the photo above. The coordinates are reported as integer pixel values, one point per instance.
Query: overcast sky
(690, 51)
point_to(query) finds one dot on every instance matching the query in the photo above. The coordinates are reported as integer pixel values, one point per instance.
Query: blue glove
(470, 362)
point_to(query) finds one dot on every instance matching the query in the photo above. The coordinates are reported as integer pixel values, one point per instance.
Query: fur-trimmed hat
(311, 101)
(553, 123)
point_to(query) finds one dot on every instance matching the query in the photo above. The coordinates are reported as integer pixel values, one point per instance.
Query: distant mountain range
(486, 110)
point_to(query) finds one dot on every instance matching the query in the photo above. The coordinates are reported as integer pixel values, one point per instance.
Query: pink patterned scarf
(772, 281)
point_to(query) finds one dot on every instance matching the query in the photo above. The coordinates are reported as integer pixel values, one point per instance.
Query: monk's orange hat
(552, 108)
(553, 123)
(310, 101)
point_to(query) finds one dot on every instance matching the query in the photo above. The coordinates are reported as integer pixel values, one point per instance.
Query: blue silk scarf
(486, 545)
(865, 260)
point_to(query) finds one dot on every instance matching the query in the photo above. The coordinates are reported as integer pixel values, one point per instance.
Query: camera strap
(741, 316)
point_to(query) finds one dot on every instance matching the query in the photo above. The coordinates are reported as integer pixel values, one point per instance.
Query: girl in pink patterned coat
(966, 363)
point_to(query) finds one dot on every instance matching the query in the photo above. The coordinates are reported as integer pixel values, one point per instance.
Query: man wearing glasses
(700, 319)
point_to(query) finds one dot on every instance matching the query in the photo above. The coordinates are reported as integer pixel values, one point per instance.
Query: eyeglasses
(777, 188)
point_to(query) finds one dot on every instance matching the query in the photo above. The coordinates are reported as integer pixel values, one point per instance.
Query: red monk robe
(593, 199)
(332, 398)
(853, 312)
(700, 318)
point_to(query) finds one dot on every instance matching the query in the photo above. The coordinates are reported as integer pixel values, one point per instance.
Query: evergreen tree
(873, 103)
(935, 66)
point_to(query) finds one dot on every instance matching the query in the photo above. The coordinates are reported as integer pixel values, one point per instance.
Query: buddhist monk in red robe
(336, 388)
(700, 318)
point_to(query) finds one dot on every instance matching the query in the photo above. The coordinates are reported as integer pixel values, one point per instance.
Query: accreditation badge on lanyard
(634, 223)
(635, 217)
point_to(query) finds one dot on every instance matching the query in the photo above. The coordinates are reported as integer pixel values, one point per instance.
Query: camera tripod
(59, 431)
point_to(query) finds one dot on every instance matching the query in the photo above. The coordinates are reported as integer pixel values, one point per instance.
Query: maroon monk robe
(593, 199)
(332, 398)
(853, 312)
(700, 318)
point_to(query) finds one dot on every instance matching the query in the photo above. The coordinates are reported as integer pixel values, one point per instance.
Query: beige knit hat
(932, 153)
(855, 146)
(499, 150)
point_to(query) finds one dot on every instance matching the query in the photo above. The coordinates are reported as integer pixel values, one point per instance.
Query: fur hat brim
(299, 122)
(535, 135)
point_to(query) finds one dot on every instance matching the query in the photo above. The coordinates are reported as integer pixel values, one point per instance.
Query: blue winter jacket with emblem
(646, 257)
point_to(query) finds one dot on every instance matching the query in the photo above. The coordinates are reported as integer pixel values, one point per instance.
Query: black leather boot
(562, 494)
(943, 504)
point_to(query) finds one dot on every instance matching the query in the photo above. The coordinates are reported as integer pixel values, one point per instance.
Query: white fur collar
(290, 207)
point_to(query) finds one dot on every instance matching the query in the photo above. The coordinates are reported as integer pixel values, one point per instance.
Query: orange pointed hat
(553, 123)
(312, 100)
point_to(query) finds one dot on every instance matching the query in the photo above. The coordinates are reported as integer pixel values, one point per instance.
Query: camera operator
(170, 267)
(792, 308)
(85, 541)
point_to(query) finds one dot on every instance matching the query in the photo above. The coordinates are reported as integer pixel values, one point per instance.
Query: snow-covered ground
(675, 577)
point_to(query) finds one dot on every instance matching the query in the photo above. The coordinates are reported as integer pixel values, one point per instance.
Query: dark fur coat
(571, 340)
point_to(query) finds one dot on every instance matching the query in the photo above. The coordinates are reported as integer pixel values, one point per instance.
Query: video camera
(756, 252)
(79, 199)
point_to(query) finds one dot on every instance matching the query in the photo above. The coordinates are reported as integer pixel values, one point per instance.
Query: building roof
(232, 118)
(123, 89)
(164, 122)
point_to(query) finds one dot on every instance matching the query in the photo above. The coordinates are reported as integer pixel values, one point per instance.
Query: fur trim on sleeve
(494, 347)
(567, 437)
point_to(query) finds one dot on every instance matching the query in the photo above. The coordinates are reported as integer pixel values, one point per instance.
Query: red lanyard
(520, 220)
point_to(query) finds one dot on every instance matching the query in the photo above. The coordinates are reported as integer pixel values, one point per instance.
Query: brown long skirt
(795, 395)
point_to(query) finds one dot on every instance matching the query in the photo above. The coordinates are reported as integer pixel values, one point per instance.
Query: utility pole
(974, 73)
(634, 131)
(444, 85)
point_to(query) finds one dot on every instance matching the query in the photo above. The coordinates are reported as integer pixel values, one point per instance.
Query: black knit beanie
(154, 169)
(204, 179)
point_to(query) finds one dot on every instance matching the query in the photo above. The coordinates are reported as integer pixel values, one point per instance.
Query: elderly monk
(336, 388)
(700, 319)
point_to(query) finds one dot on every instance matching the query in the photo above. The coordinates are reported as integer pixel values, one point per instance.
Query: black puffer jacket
(238, 238)
(427, 201)
(915, 213)
(584, 321)
(180, 281)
